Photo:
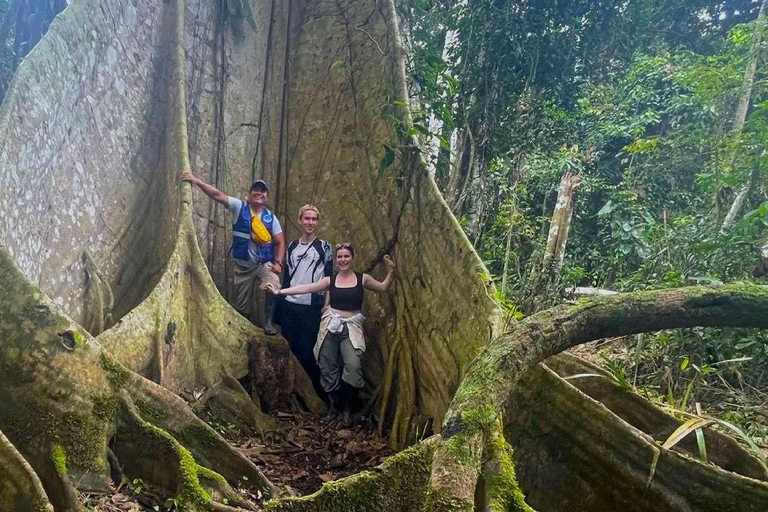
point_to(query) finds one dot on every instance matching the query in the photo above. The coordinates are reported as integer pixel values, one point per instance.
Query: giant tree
(115, 101)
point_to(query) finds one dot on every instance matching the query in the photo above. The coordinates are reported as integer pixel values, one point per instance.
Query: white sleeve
(234, 205)
(276, 228)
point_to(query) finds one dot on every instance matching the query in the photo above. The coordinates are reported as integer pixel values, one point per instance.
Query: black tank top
(347, 299)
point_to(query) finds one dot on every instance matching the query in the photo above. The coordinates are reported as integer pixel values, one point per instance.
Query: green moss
(476, 384)
(85, 437)
(59, 456)
(105, 407)
(150, 410)
(190, 492)
(503, 489)
(400, 483)
(480, 417)
(458, 449)
(116, 373)
(79, 339)
(199, 435)
(439, 500)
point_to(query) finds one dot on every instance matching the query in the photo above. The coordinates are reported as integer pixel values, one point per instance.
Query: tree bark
(66, 398)
(544, 276)
(461, 170)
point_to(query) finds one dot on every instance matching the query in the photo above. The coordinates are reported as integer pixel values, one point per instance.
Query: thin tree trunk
(545, 276)
(460, 171)
(741, 117)
(560, 226)
(507, 251)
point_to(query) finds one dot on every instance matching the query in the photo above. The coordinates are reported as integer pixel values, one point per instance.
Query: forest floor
(306, 452)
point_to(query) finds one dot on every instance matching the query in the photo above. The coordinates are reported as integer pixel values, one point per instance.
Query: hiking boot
(351, 405)
(348, 418)
(334, 411)
(270, 301)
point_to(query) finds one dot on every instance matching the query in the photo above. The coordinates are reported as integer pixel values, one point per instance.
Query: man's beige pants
(249, 279)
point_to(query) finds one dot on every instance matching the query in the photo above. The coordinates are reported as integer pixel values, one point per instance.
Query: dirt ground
(306, 452)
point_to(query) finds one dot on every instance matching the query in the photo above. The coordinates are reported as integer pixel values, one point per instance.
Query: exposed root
(305, 390)
(168, 412)
(479, 402)
(498, 487)
(171, 466)
(229, 401)
(20, 488)
(397, 485)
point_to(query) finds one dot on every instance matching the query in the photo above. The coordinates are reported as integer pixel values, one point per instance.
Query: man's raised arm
(208, 189)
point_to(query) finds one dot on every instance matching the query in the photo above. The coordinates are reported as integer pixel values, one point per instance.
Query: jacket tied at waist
(331, 321)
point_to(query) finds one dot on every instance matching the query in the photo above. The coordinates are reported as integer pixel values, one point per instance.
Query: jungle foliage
(641, 100)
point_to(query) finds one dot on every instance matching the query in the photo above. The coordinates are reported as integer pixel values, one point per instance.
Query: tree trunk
(560, 226)
(740, 118)
(461, 170)
(74, 412)
(544, 277)
(119, 140)
(508, 249)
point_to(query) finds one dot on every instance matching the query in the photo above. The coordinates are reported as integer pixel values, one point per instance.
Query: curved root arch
(473, 451)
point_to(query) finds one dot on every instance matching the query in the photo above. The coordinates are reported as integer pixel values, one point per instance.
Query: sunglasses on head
(344, 245)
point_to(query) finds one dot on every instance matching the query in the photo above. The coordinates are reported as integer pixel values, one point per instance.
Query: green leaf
(388, 159)
(685, 363)
(337, 64)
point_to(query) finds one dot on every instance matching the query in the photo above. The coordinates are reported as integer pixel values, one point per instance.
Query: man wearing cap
(258, 246)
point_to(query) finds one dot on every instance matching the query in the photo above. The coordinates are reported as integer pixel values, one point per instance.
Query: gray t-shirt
(253, 248)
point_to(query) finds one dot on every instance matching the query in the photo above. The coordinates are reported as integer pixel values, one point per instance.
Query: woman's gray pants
(339, 360)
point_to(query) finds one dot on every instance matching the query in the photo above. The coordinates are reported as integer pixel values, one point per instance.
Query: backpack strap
(288, 275)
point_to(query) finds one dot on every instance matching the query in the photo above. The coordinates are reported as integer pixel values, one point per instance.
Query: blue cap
(259, 184)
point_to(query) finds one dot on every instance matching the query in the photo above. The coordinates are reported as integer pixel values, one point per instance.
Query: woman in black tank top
(346, 299)
(346, 286)
(340, 344)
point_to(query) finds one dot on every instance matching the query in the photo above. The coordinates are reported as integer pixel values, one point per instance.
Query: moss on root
(399, 484)
(59, 457)
(116, 373)
(150, 411)
(190, 491)
(503, 490)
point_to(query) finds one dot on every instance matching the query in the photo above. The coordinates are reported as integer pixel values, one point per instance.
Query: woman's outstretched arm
(300, 289)
(381, 286)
